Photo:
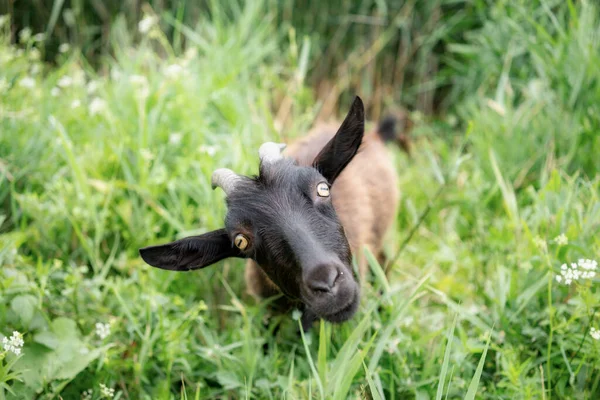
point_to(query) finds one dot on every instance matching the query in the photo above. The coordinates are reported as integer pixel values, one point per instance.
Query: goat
(300, 220)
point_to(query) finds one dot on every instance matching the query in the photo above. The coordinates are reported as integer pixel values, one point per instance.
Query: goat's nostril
(319, 286)
(322, 279)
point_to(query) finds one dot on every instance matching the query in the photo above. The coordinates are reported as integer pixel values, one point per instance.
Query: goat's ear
(340, 150)
(192, 252)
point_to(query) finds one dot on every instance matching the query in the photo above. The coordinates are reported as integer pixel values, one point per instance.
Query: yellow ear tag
(323, 189)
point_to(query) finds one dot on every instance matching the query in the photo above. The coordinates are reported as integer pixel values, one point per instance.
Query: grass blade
(375, 394)
(310, 361)
(442, 380)
(475, 381)
(377, 270)
(56, 7)
(349, 348)
(340, 390)
(322, 356)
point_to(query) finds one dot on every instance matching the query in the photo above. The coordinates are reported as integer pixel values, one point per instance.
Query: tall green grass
(95, 163)
(385, 49)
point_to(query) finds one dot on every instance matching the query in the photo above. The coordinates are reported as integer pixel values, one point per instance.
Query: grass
(120, 157)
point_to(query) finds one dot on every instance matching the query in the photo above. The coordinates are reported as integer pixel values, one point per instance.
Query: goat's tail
(395, 127)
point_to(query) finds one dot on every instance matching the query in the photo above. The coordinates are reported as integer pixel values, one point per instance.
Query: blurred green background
(113, 116)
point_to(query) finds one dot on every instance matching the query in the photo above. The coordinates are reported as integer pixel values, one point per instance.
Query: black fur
(387, 128)
(294, 235)
(192, 252)
(340, 150)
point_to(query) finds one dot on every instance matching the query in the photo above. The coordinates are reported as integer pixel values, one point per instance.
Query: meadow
(491, 292)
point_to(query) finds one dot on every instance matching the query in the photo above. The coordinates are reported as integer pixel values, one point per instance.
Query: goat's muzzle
(331, 291)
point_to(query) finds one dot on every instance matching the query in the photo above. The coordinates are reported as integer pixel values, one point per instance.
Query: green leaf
(228, 379)
(47, 338)
(71, 356)
(32, 363)
(64, 328)
(24, 306)
(55, 354)
(75, 363)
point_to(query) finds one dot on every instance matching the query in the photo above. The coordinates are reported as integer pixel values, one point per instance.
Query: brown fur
(365, 197)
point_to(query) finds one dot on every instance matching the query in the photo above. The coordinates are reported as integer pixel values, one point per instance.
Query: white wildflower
(393, 346)
(34, 54)
(64, 47)
(102, 330)
(561, 240)
(191, 52)
(583, 269)
(27, 82)
(173, 71)
(106, 391)
(539, 243)
(39, 37)
(14, 343)
(146, 154)
(595, 333)
(97, 106)
(75, 104)
(147, 23)
(78, 77)
(3, 19)
(35, 69)
(296, 314)
(115, 73)
(143, 92)
(25, 35)
(87, 394)
(589, 268)
(65, 81)
(55, 92)
(92, 87)
(210, 150)
(175, 138)
(69, 17)
(140, 80)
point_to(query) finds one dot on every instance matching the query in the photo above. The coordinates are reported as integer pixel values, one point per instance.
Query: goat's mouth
(344, 313)
(338, 314)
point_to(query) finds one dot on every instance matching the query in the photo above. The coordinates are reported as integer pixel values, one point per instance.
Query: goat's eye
(240, 241)
(323, 189)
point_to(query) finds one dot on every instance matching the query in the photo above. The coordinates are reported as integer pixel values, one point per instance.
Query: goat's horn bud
(226, 179)
(270, 152)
